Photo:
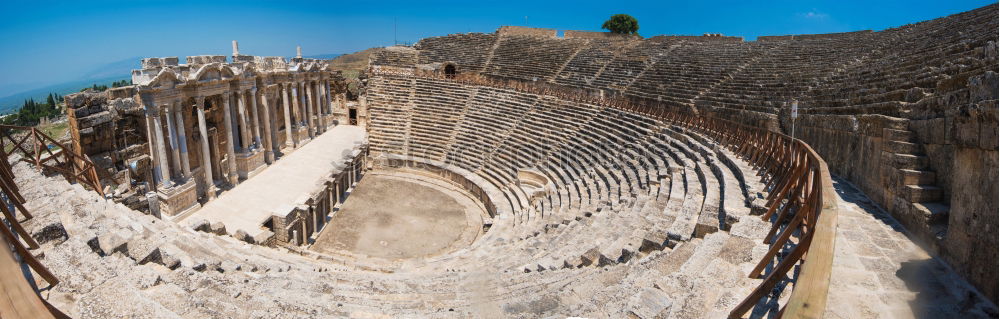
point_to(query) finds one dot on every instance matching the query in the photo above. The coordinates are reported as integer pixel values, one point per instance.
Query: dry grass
(351, 64)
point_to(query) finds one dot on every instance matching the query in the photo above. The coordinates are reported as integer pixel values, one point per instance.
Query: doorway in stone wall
(352, 115)
(449, 71)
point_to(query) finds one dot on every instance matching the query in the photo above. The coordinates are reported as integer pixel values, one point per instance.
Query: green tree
(621, 24)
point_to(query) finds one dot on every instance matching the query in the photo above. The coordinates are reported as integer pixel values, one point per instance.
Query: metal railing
(801, 202)
(49, 154)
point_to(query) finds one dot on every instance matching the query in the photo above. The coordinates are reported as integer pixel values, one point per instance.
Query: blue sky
(51, 42)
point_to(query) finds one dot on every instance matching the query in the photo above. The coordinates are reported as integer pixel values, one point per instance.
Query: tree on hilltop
(621, 24)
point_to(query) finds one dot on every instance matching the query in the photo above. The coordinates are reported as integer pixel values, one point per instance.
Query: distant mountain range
(323, 56)
(12, 103)
(101, 75)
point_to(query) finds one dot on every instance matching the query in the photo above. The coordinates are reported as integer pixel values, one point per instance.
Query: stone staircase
(914, 181)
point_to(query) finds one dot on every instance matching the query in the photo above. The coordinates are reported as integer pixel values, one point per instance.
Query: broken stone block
(263, 238)
(218, 228)
(142, 251)
(242, 235)
(169, 261)
(984, 87)
(649, 303)
(109, 243)
(53, 230)
(202, 226)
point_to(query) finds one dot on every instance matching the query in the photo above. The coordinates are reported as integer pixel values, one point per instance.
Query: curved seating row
(637, 184)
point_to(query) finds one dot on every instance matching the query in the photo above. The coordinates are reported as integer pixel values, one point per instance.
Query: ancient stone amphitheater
(526, 174)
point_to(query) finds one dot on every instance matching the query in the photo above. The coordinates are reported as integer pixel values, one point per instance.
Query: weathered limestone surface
(909, 114)
(595, 246)
(639, 218)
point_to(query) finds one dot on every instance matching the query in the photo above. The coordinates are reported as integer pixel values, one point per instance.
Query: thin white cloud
(814, 14)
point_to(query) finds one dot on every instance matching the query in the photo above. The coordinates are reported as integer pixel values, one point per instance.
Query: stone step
(917, 177)
(905, 161)
(922, 193)
(903, 147)
(898, 135)
(935, 212)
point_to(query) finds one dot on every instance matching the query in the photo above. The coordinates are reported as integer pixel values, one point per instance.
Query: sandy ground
(394, 218)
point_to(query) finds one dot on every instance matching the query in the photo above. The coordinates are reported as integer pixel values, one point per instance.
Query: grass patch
(55, 130)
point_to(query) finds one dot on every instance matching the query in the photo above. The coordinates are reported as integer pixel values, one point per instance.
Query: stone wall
(428, 167)
(700, 38)
(575, 34)
(111, 130)
(537, 32)
(961, 149)
(813, 36)
(206, 59)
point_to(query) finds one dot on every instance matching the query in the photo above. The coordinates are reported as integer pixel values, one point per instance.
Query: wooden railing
(801, 202)
(18, 297)
(45, 152)
(802, 206)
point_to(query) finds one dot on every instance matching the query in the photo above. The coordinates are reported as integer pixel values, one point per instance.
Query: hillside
(12, 103)
(351, 64)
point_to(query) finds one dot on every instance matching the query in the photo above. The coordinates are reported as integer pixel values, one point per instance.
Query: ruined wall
(574, 34)
(700, 38)
(112, 132)
(537, 32)
(813, 36)
(394, 56)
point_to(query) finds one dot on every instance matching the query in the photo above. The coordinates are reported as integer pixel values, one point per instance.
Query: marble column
(313, 108)
(320, 110)
(230, 148)
(350, 175)
(306, 108)
(329, 97)
(153, 155)
(182, 139)
(161, 150)
(206, 164)
(175, 152)
(268, 146)
(241, 109)
(289, 141)
(255, 126)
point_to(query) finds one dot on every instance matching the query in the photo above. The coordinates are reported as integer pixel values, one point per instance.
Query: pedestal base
(178, 199)
(249, 164)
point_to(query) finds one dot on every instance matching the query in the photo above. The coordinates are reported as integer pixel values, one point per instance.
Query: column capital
(253, 90)
(200, 100)
(151, 110)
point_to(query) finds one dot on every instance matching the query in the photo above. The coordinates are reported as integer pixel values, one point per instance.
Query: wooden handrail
(72, 164)
(797, 179)
(18, 299)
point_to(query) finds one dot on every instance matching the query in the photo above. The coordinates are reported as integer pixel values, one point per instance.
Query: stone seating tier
(845, 73)
(602, 175)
